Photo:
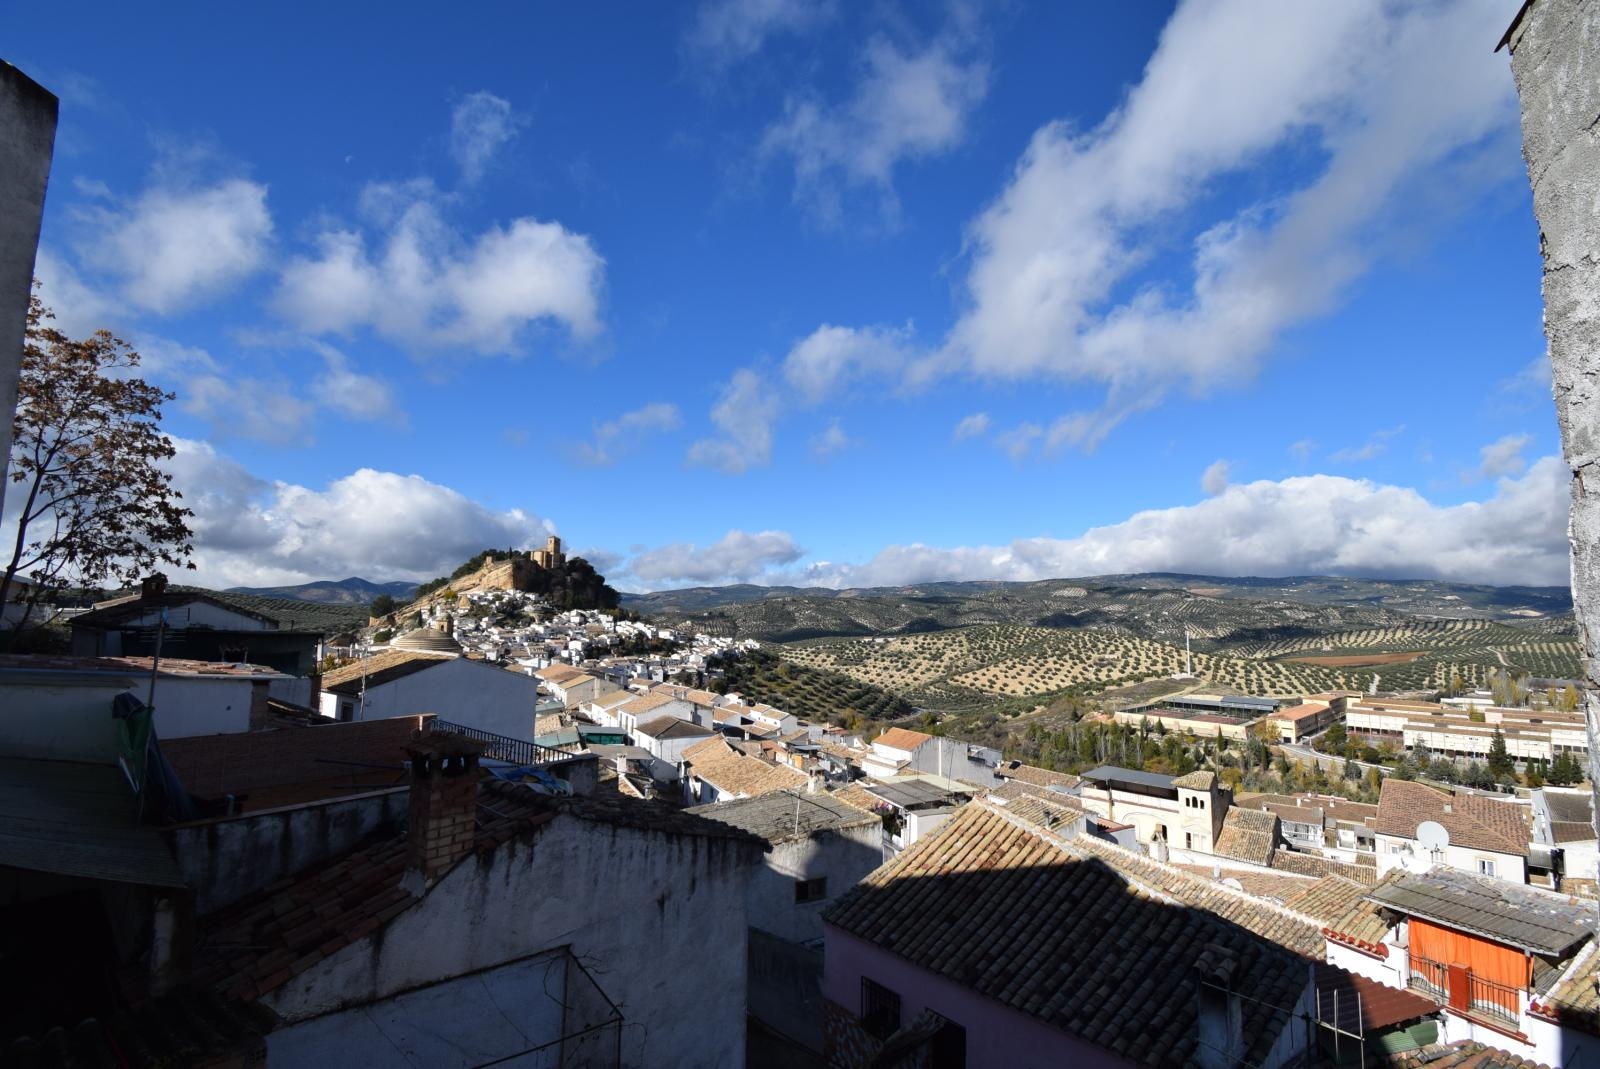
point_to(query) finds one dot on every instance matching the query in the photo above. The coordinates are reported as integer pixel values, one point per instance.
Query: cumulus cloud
(479, 126)
(831, 440)
(1215, 479)
(412, 278)
(377, 524)
(910, 103)
(830, 358)
(736, 557)
(744, 413)
(1504, 457)
(1375, 446)
(727, 31)
(973, 426)
(618, 435)
(1392, 100)
(176, 243)
(1304, 525)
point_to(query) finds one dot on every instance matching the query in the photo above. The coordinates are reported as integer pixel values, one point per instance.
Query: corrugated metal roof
(1508, 913)
(1113, 774)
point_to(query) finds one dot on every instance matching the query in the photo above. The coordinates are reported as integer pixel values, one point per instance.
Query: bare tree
(92, 499)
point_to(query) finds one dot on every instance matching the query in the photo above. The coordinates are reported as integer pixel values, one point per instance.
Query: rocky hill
(352, 591)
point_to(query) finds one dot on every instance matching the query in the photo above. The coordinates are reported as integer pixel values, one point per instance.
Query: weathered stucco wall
(844, 858)
(464, 692)
(1555, 58)
(226, 859)
(658, 920)
(27, 140)
(59, 719)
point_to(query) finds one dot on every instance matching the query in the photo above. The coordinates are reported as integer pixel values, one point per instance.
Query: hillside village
(348, 844)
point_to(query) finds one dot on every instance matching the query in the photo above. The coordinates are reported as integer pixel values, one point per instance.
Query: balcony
(1459, 988)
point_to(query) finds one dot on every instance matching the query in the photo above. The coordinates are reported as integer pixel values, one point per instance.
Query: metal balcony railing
(1462, 989)
(505, 748)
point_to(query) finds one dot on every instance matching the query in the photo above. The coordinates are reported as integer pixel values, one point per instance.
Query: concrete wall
(464, 692)
(59, 717)
(225, 859)
(843, 857)
(658, 920)
(197, 705)
(27, 140)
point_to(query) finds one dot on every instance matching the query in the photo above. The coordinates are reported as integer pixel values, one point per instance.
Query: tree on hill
(95, 502)
(382, 605)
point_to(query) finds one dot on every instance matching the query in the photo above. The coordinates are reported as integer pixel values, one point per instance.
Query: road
(1298, 752)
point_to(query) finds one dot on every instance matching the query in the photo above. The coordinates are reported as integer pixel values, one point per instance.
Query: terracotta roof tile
(1021, 917)
(1249, 835)
(1474, 822)
(902, 739)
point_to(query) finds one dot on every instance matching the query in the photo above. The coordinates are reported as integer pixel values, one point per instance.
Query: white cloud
(909, 104)
(1504, 457)
(727, 31)
(736, 557)
(1393, 98)
(1301, 450)
(744, 414)
(831, 440)
(376, 524)
(1215, 479)
(1019, 441)
(1374, 446)
(1305, 525)
(830, 358)
(425, 286)
(479, 126)
(973, 426)
(617, 435)
(173, 245)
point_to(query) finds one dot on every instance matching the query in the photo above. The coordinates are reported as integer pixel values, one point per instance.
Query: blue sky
(846, 294)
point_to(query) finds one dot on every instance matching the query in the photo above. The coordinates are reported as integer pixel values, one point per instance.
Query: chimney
(444, 804)
(1219, 1012)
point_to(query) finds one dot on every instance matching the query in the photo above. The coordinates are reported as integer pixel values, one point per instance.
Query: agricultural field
(827, 697)
(961, 668)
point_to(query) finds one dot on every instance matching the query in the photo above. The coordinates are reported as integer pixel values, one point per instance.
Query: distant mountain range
(352, 591)
(1146, 603)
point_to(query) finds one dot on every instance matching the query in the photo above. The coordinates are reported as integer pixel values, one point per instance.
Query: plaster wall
(949, 757)
(677, 709)
(195, 705)
(1385, 971)
(843, 857)
(462, 692)
(27, 141)
(64, 720)
(1392, 854)
(998, 1037)
(458, 1024)
(625, 900)
(226, 859)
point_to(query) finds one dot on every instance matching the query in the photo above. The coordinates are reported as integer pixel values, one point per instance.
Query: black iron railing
(1480, 996)
(505, 748)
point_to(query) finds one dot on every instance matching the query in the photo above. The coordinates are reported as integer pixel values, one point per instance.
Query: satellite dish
(1432, 835)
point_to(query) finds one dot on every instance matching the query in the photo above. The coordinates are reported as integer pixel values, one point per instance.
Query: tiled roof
(1039, 777)
(1462, 1054)
(731, 772)
(1248, 835)
(1472, 821)
(1274, 886)
(902, 739)
(1011, 912)
(644, 703)
(170, 666)
(1199, 780)
(1313, 865)
(854, 795)
(783, 815)
(184, 1027)
(558, 673)
(1360, 1005)
(1575, 1001)
(380, 668)
(670, 727)
(1342, 907)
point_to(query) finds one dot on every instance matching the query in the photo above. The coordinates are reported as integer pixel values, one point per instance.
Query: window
(1485, 867)
(880, 1009)
(949, 1047)
(811, 890)
(347, 712)
(1188, 841)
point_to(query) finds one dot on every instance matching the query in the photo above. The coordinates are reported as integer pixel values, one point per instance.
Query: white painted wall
(844, 857)
(1392, 854)
(199, 705)
(470, 693)
(64, 720)
(668, 898)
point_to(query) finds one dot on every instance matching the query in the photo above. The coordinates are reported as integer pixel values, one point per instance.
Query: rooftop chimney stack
(444, 804)
(1219, 1039)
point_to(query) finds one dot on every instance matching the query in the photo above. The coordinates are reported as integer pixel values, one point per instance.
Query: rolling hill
(352, 591)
